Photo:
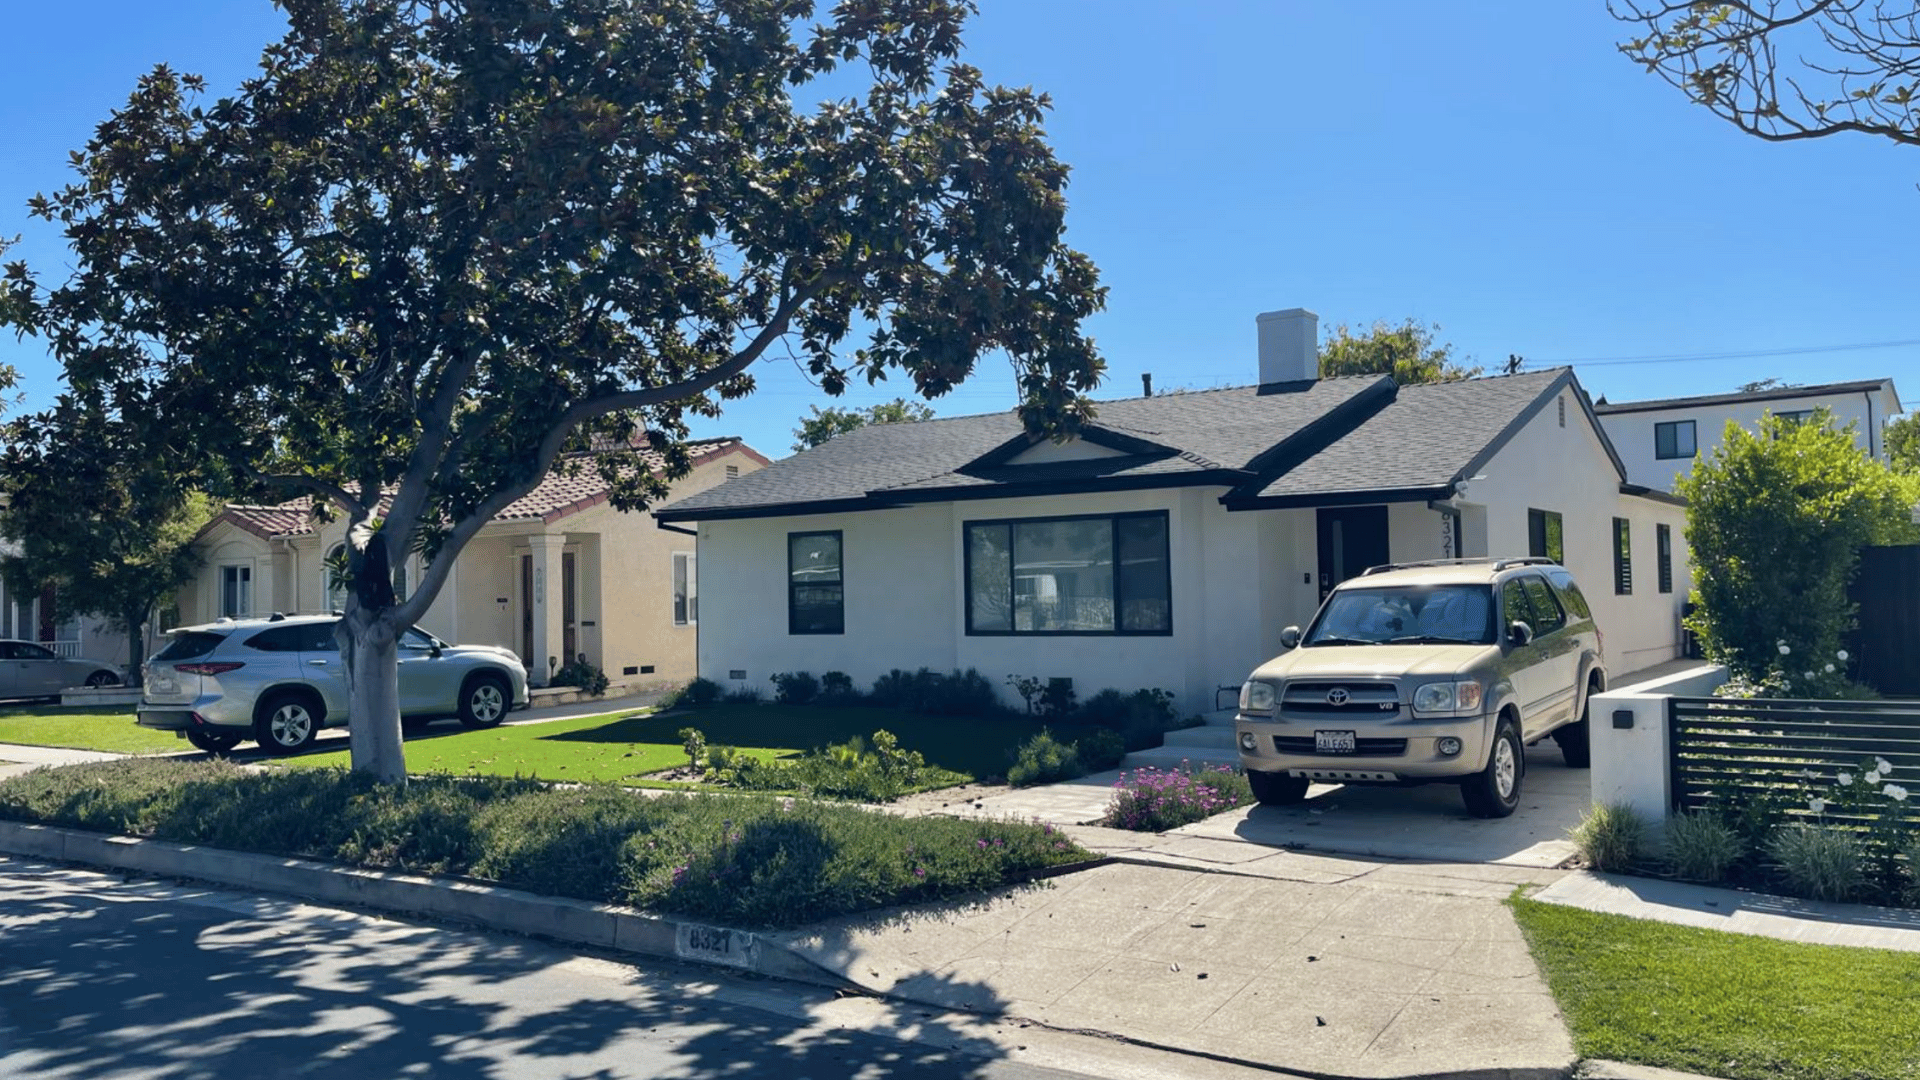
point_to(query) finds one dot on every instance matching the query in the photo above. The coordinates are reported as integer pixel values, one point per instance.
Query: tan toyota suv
(1424, 673)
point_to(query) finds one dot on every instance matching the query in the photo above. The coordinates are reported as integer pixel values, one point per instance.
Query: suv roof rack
(1498, 564)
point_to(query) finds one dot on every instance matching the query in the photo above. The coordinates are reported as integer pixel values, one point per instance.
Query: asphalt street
(102, 976)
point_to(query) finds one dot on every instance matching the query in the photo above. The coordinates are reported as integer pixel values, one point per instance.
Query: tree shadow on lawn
(161, 979)
(978, 746)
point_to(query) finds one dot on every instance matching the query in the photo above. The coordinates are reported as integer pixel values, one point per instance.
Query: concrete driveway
(1424, 822)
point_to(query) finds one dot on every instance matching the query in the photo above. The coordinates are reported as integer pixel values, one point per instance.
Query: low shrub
(876, 772)
(960, 693)
(795, 688)
(1610, 837)
(1100, 749)
(1911, 853)
(590, 679)
(1057, 699)
(1702, 847)
(742, 695)
(1141, 717)
(836, 688)
(1819, 862)
(749, 860)
(1044, 759)
(694, 742)
(1155, 800)
(697, 694)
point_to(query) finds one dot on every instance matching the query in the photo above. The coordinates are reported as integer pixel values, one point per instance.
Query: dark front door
(569, 633)
(526, 611)
(1352, 538)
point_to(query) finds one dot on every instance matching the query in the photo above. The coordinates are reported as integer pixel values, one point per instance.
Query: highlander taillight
(208, 669)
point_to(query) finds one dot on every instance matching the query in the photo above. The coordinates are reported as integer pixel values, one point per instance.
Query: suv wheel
(212, 743)
(483, 701)
(1494, 791)
(287, 724)
(1574, 738)
(1277, 789)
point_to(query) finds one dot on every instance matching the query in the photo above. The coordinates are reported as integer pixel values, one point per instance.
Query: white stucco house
(1659, 440)
(1172, 541)
(557, 574)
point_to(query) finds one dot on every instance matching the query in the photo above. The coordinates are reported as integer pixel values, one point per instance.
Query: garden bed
(752, 861)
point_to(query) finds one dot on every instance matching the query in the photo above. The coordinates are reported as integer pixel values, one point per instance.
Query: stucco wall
(1633, 432)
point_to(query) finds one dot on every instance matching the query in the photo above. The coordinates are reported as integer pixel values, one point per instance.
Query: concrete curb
(573, 922)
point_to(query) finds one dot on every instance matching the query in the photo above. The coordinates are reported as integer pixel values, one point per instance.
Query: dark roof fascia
(1338, 498)
(1087, 486)
(1644, 492)
(1318, 434)
(1500, 441)
(764, 510)
(1781, 394)
(1093, 433)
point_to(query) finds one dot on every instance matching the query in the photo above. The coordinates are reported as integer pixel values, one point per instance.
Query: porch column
(547, 607)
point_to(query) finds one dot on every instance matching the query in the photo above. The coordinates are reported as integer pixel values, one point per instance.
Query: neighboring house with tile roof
(1169, 543)
(1659, 440)
(558, 573)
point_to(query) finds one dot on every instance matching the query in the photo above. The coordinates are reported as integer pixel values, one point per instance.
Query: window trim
(1622, 557)
(840, 538)
(1114, 518)
(1663, 552)
(1674, 426)
(692, 614)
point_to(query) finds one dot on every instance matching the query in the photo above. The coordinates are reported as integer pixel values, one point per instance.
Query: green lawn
(83, 729)
(625, 747)
(1725, 1004)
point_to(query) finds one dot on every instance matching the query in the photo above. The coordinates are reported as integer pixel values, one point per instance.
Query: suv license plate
(1333, 742)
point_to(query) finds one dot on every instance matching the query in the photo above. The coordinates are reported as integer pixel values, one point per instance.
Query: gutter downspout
(1871, 452)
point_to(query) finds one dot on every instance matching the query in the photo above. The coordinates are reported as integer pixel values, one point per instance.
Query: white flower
(1809, 674)
(1817, 805)
(1841, 655)
(1807, 774)
(1784, 650)
(1829, 669)
(1880, 763)
(1894, 792)
(1873, 777)
(1843, 779)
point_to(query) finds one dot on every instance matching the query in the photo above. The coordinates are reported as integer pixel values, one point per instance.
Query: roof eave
(1363, 497)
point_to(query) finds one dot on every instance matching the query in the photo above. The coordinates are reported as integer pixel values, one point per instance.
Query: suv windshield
(1408, 614)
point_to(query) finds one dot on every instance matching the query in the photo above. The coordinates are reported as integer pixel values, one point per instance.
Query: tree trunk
(136, 644)
(373, 694)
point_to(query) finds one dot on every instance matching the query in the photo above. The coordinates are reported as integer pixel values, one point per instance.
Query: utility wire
(1680, 358)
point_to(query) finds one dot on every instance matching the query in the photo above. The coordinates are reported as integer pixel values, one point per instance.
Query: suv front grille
(1359, 700)
(1289, 744)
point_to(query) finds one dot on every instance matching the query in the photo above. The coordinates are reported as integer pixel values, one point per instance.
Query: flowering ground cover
(1155, 800)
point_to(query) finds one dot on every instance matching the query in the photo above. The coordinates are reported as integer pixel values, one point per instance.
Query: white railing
(65, 650)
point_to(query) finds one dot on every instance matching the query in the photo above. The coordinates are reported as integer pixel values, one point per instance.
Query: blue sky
(1493, 166)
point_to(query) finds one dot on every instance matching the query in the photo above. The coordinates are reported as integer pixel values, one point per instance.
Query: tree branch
(333, 493)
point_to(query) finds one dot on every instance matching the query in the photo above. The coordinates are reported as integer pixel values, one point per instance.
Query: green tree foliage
(1406, 351)
(1903, 443)
(1775, 520)
(823, 424)
(436, 249)
(98, 513)
(1787, 70)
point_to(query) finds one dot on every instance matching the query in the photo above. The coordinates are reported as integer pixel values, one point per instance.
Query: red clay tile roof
(557, 496)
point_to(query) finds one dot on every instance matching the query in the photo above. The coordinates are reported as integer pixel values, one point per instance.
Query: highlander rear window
(189, 645)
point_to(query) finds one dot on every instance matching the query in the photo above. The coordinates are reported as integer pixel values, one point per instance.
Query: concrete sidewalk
(1318, 966)
(1757, 914)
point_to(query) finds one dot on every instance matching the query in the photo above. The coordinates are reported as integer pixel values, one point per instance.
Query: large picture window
(816, 584)
(1073, 575)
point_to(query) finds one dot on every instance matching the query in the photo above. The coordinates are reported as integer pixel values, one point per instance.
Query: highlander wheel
(1494, 792)
(483, 701)
(286, 725)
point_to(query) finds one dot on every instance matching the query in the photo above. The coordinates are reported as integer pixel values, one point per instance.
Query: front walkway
(1808, 921)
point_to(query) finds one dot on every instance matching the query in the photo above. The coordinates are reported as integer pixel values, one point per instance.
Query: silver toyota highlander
(279, 680)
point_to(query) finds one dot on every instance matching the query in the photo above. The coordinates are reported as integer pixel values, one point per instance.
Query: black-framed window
(1675, 439)
(816, 583)
(1663, 545)
(1622, 557)
(1795, 416)
(1546, 536)
(1104, 574)
(686, 589)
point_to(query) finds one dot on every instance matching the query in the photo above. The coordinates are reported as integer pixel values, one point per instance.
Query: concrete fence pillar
(1631, 755)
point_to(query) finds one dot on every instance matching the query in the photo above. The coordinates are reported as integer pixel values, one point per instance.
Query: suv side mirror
(434, 651)
(1290, 637)
(1520, 634)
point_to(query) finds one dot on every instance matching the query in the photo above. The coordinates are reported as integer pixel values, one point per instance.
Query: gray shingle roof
(1335, 435)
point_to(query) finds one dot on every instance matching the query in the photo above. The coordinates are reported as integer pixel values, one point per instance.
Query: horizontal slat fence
(1726, 750)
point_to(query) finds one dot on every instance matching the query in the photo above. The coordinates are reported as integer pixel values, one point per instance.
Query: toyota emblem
(1337, 696)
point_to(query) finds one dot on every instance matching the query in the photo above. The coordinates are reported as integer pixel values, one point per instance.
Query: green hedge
(754, 861)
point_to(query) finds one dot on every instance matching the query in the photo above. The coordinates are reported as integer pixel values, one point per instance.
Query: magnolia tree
(437, 248)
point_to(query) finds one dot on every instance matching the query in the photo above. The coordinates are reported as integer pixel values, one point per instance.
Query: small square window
(1674, 440)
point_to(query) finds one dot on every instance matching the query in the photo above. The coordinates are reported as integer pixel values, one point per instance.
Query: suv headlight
(1256, 696)
(1447, 697)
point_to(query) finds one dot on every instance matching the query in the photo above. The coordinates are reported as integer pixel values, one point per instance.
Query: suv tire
(484, 701)
(286, 723)
(1494, 792)
(1277, 789)
(217, 745)
(1574, 744)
